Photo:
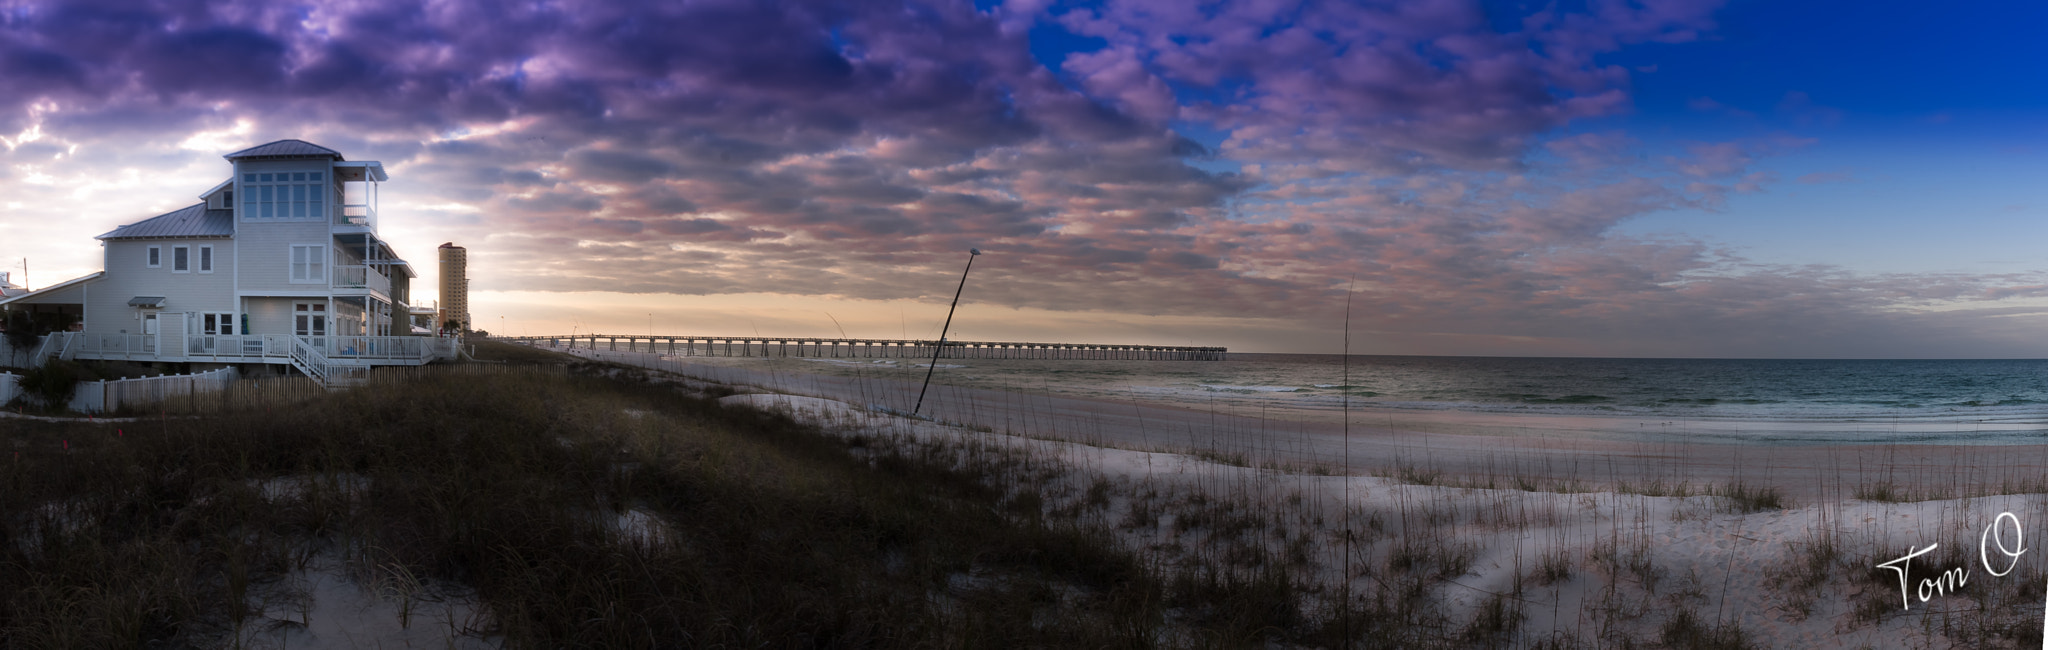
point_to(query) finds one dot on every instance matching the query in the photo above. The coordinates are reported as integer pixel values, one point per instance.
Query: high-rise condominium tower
(454, 287)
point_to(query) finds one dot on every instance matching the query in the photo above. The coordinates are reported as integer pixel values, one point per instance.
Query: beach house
(279, 268)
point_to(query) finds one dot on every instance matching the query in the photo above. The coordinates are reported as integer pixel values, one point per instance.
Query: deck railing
(270, 347)
(380, 347)
(253, 345)
(116, 346)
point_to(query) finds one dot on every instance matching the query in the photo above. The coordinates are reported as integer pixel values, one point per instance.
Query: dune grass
(587, 504)
(586, 508)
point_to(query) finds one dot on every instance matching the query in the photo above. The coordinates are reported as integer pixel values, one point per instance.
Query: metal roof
(217, 188)
(373, 168)
(32, 296)
(285, 148)
(153, 302)
(195, 221)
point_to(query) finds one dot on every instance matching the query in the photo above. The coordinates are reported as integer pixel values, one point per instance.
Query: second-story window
(156, 256)
(284, 195)
(181, 259)
(205, 259)
(309, 263)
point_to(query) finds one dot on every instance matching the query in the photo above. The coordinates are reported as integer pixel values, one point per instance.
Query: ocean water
(1767, 399)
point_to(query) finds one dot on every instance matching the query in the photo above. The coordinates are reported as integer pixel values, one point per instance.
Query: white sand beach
(1586, 565)
(1468, 448)
(1575, 537)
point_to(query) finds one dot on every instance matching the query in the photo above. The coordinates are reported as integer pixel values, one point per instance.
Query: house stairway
(67, 345)
(58, 345)
(312, 361)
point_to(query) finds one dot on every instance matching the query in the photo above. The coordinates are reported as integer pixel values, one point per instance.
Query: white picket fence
(108, 396)
(10, 386)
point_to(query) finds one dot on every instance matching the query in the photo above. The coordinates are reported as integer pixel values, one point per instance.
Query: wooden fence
(111, 396)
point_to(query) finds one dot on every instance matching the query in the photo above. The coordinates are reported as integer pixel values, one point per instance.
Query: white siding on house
(128, 276)
(266, 250)
(270, 315)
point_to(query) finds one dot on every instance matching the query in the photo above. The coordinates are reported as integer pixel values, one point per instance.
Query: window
(284, 195)
(309, 318)
(217, 324)
(181, 259)
(205, 259)
(309, 265)
(156, 256)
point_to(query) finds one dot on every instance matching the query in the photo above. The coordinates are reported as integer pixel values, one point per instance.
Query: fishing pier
(757, 346)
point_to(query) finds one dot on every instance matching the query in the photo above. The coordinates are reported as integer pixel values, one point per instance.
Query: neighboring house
(9, 289)
(280, 265)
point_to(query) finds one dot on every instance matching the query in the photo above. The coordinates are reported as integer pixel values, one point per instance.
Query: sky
(1667, 178)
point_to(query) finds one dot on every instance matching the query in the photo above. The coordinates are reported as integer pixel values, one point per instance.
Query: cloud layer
(1426, 154)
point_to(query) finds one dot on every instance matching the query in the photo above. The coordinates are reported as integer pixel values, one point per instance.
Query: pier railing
(757, 346)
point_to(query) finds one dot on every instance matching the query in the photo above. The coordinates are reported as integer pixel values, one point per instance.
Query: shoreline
(1587, 565)
(1782, 413)
(1992, 425)
(1559, 459)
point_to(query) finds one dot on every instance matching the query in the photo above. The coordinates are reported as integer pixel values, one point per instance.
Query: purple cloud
(852, 149)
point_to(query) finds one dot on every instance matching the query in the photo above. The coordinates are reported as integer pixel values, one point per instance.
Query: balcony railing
(356, 214)
(351, 277)
(359, 276)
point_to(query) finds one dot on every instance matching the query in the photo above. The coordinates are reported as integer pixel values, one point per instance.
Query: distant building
(279, 265)
(454, 287)
(422, 320)
(9, 289)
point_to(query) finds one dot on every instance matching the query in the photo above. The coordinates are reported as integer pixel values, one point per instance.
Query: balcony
(358, 279)
(360, 215)
(357, 197)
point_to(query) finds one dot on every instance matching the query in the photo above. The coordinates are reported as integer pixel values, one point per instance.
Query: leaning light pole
(941, 347)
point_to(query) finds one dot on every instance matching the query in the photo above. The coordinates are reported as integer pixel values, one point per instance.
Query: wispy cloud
(851, 149)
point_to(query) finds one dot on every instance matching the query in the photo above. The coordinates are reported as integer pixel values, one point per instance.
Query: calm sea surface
(1963, 401)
